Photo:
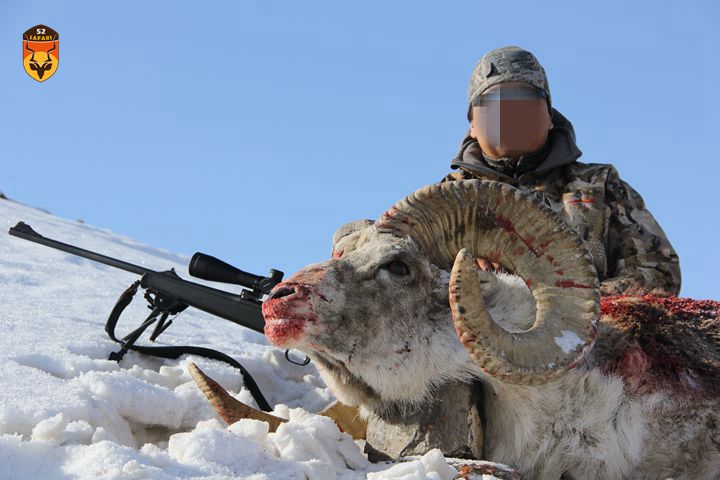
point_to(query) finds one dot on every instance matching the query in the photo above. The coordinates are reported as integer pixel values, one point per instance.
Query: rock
(450, 422)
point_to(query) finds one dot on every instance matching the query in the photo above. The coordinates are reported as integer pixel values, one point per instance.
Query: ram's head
(377, 318)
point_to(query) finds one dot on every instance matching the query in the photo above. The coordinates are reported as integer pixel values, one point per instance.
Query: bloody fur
(286, 317)
(663, 343)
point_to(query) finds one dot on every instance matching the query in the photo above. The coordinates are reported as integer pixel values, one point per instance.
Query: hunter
(517, 137)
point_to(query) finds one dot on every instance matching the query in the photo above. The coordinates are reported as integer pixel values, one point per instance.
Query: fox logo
(41, 47)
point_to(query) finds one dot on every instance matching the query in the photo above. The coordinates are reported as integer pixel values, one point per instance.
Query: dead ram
(573, 386)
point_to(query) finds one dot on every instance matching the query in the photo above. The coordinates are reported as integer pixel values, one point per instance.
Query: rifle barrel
(25, 231)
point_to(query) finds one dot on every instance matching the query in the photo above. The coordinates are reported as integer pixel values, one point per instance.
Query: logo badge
(41, 52)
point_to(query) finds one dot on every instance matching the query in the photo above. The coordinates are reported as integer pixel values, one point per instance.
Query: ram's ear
(346, 237)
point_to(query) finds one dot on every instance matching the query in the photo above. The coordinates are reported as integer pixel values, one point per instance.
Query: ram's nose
(290, 291)
(281, 291)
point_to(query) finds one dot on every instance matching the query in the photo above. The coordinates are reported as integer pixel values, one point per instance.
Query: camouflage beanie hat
(507, 64)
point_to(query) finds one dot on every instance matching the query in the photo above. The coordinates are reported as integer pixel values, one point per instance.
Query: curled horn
(53, 48)
(454, 222)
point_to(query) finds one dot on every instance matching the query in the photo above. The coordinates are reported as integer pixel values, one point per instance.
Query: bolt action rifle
(168, 294)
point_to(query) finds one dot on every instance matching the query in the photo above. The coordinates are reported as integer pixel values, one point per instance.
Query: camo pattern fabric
(631, 252)
(507, 64)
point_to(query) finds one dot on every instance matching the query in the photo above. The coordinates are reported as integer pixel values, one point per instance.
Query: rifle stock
(211, 300)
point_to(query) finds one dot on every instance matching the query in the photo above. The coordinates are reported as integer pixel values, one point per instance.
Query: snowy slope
(68, 412)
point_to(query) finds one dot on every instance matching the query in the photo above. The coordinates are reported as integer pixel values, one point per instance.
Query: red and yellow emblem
(41, 52)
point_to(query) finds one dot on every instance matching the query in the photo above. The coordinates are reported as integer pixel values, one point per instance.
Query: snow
(67, 412)
(568, 341)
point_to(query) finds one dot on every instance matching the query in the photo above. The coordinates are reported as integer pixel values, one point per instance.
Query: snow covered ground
(68, 412)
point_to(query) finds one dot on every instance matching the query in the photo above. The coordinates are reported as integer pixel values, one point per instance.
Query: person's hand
(488, 266)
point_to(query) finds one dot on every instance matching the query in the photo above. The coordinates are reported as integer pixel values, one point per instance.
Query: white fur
(583, 425)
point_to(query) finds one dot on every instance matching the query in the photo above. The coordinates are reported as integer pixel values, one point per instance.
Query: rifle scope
(210, 268)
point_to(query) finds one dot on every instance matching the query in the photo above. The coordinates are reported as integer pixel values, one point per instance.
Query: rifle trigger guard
(302, 364)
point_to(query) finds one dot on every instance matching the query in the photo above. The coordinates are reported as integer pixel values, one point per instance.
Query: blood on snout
(286, 315)
(282, 319)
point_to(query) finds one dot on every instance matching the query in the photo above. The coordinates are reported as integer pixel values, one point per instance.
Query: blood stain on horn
(570, 284)
(468, 339)
(507, 225)
(494, 256)
(394, 213)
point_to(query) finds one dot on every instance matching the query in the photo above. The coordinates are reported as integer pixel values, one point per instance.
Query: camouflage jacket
(632, 255)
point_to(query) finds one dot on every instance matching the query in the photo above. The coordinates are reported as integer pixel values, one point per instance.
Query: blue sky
(251, 130)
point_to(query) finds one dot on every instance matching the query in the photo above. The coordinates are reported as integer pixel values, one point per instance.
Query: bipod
(161, 306)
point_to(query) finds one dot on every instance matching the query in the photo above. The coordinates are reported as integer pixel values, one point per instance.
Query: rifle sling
(128, 343)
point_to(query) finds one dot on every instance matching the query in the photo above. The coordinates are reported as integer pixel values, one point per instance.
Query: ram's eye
(397, 267)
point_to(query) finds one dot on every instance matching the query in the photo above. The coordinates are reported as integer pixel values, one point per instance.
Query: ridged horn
(498, 222)
(227, 406)
(231, 409)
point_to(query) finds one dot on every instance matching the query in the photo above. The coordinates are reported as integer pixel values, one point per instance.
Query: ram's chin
(353, 388)
(288, 319)
(285, 332)
(346, 386)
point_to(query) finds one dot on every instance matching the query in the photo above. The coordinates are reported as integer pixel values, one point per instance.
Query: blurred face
(510, 119)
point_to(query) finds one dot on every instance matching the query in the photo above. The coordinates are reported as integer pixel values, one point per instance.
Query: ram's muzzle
(292, 306)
